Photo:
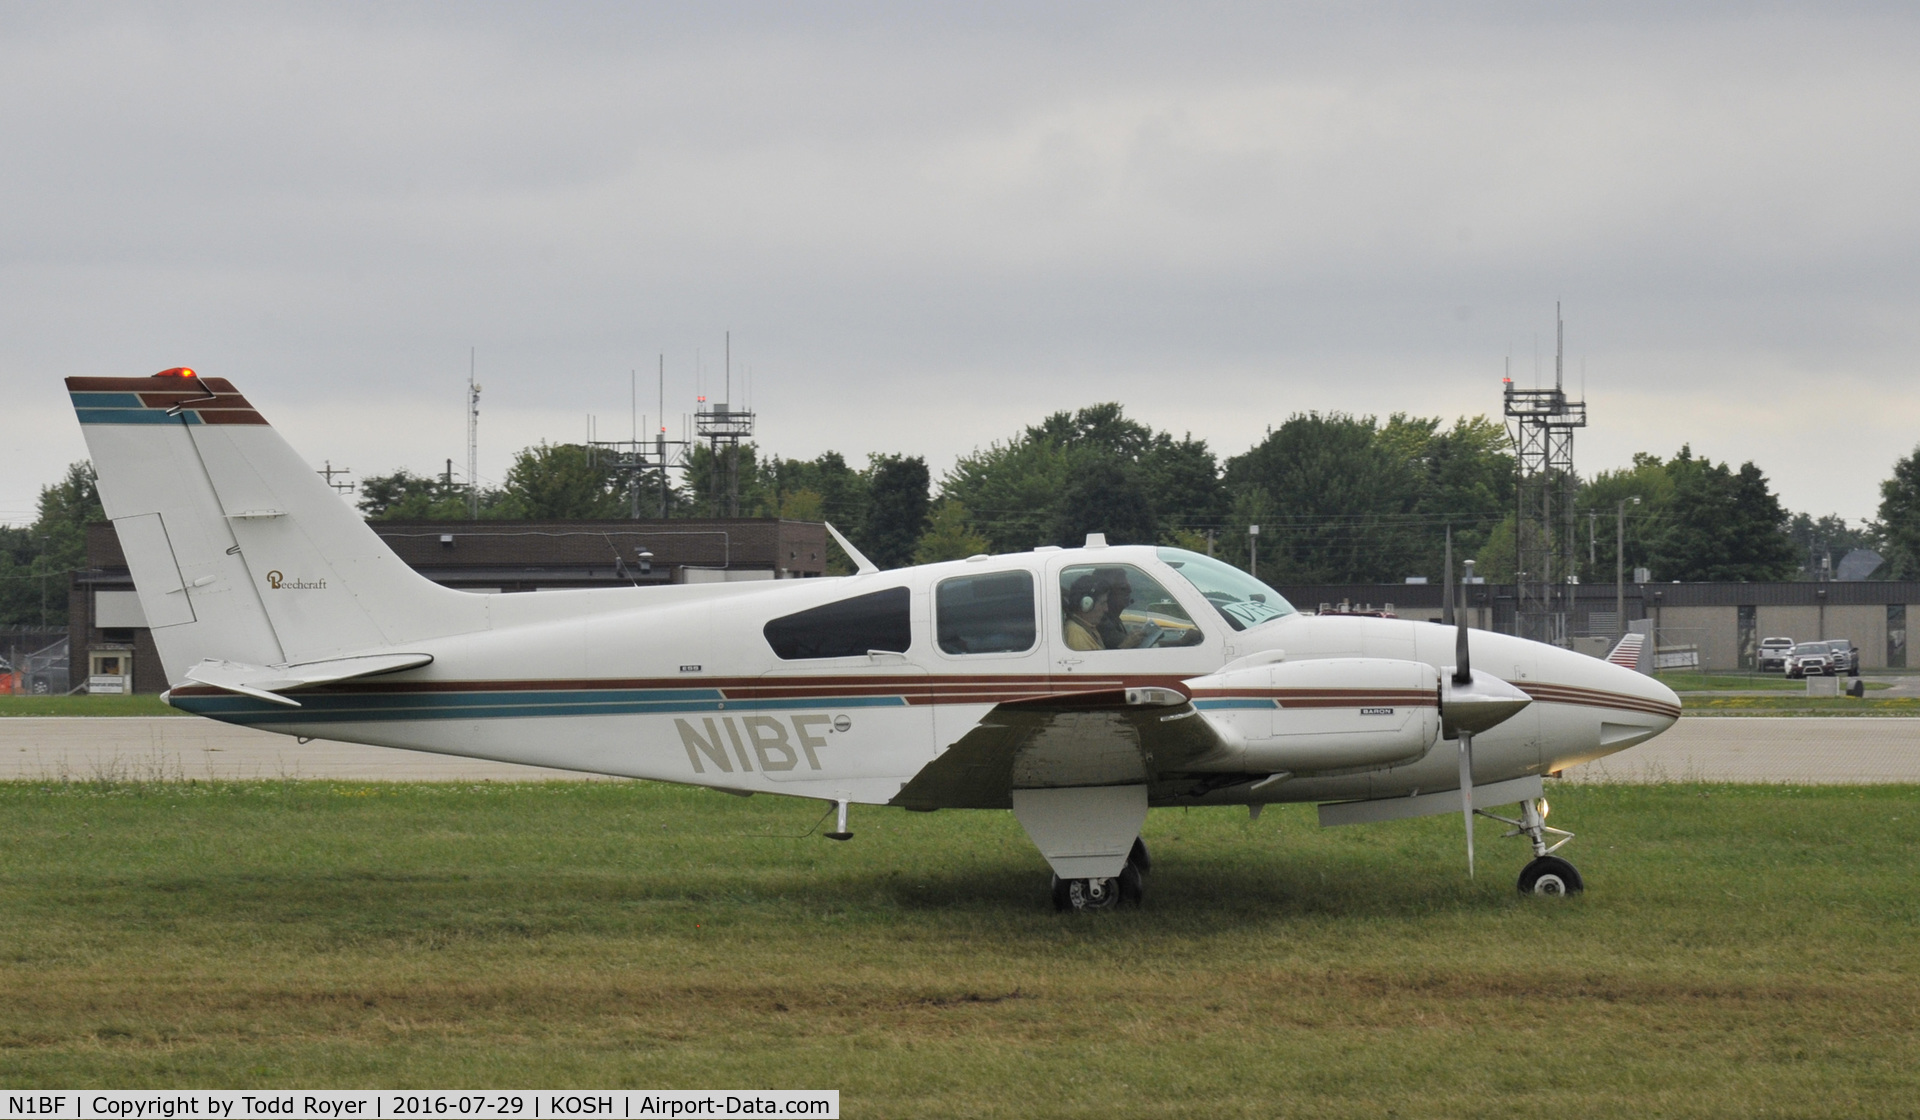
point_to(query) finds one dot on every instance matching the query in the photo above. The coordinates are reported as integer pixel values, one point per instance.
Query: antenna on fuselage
(861, 565)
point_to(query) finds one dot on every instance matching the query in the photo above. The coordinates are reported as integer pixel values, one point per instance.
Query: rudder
(238, 550)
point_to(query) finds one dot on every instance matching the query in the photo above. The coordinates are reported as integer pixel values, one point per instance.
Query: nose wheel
(1548, 875)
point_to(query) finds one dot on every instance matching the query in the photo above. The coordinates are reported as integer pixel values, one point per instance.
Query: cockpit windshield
(1241, 599)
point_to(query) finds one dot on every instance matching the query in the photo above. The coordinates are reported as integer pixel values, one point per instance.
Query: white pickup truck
(1774, 653)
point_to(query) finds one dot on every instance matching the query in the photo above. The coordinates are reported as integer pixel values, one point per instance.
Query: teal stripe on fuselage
(133, 416)
(388, 707)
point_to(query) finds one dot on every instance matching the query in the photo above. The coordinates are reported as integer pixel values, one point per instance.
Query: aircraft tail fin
(239, 552)
(1635, 650)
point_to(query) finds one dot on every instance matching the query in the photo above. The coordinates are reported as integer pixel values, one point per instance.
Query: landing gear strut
(1125, 889)
(1548, 874)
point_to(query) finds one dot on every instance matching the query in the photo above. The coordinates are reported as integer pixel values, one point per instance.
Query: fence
(37, 661)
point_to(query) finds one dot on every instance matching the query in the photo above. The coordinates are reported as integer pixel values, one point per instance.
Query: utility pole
(473, 439)
(1253, 551)
(1620, 563)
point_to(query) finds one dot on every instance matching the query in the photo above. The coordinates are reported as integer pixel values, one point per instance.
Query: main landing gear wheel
(1138, 857)
(1099, 894)
(1551, 876)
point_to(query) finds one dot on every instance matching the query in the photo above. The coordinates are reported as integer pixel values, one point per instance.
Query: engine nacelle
(1306, 717)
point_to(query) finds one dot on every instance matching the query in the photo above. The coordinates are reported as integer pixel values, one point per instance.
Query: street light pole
(1620, 563)
(1253, 550)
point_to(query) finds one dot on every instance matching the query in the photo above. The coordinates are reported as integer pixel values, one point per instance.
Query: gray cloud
(927, 228)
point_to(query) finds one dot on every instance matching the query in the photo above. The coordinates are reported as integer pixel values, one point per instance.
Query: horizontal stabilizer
(265, 682)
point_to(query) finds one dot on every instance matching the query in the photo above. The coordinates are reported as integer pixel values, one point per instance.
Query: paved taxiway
(1830, 750)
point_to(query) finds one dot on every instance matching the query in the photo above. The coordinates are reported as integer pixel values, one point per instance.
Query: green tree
(1182, 481)
(1011, 489)
(1648, 480)
(1899, 521)
(561, 482)
(1346, 503)
(949, 536)
(1720, 524)
(841, 490)
(405, 496)
(1102, 496)
(1018, 490)
(897, 509)
(35, 562)
(707, 487)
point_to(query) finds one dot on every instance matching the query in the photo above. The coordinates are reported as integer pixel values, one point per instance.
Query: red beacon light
(177, 371)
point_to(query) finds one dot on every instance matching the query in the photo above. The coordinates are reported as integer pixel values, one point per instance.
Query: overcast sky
(927, 227)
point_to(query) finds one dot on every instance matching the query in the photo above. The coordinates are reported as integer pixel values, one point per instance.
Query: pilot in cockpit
(1086, 609)
(1093, 605)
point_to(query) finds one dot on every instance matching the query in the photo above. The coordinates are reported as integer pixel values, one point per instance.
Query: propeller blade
(1446, 612)
(1462, 672)
(1466, 792)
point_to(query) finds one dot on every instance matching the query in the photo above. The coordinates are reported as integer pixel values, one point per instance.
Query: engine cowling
(1324, 715)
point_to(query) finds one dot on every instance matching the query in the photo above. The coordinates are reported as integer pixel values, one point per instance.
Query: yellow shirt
(1082, 636)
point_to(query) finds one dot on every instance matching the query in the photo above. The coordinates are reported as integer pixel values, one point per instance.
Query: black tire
(1132, 891)
(1080, 894)
(1550, 876)
(1138, 857)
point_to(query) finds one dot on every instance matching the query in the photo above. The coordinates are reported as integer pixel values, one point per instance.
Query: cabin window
(1118, 606)
(987, 613)
(848, 628)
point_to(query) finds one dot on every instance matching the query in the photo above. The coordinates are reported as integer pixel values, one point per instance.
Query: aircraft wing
(1121, 737)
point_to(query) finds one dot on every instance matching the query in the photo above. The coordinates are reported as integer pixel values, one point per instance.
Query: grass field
(136, 705)
(1740, 951)
(1748, 682)
(1803, 705)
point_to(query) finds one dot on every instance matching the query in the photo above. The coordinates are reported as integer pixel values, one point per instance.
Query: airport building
(113, 650)
(1711, 626)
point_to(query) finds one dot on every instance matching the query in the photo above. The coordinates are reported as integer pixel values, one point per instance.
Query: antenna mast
(473, 438)
(1541, 422)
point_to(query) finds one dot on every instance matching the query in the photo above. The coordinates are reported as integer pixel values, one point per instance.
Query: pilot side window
(848, 628)
(1118, 606)
(987, 613)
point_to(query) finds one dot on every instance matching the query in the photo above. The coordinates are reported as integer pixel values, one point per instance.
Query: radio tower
(1541, 422)
(724, 426)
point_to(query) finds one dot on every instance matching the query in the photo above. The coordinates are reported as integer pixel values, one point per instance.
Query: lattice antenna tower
(1541, 423)
(723, 427)
(645, 461)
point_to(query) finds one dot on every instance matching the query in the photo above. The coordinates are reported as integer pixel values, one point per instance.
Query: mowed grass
(138, 704)
(1740, 951)
(1803, 705)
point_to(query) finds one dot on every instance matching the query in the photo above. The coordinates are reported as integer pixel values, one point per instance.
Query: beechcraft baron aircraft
(1078, 687)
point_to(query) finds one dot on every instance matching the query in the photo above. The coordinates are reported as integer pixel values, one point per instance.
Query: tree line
(1338, 498)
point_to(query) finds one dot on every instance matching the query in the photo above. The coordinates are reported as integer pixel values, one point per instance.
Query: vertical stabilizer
(238, 550)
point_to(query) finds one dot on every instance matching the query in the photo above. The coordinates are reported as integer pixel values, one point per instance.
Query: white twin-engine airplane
(1078, 687)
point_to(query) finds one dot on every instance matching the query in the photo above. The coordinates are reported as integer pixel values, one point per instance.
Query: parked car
(1846, 656)
(1774, 653)
(1810, 659)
